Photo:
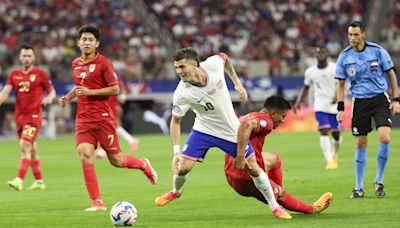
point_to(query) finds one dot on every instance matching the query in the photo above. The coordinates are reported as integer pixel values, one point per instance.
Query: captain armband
(340, 106)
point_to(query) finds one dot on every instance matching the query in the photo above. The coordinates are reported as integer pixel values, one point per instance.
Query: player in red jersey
(29, 82)
(115, 102)
(95, 81)
(255, 127)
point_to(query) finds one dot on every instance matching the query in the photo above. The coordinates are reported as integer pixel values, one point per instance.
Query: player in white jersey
(203, 89)
(322, 77)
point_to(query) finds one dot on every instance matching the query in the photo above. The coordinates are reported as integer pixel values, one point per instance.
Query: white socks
(335, 145)
(128, 137)
(325, 144)
(263, 185)
(178, 182)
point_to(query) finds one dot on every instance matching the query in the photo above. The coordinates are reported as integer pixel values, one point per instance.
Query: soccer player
(322, 77)
(29, 82)
(366, 64)
(203, 89)
(95, 81)
(255, 127)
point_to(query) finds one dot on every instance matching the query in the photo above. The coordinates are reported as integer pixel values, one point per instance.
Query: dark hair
(356, 24)
(187, 53)
(276, 102)
(90, 29)
(26, 46)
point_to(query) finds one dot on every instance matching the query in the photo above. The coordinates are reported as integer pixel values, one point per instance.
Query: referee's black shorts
(366, 108)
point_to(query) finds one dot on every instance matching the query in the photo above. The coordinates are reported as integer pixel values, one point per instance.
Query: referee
(366, 64)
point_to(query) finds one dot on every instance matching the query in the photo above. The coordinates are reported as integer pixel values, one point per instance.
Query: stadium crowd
(277, 32)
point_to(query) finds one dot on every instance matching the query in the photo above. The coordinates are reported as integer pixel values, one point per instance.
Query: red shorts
(103, 132)
(246, 187)
(28, 131)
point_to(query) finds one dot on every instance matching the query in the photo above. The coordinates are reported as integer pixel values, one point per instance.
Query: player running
(29, 82)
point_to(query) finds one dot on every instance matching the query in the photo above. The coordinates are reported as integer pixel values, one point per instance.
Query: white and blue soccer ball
(123, 214)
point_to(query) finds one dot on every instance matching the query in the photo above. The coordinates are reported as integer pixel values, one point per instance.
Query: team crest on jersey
(32, 78)
(351, 71)
(263, 123)
(92, 67)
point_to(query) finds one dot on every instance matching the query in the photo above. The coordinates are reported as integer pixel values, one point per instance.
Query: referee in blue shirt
(366, 65)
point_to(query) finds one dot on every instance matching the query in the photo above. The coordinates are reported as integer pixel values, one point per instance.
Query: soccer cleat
(37, 185)
(323, 202)
(379, 191)
(331, 165)
(166, 198)
(134, 145)
(357, 193)
(97, 205)
(150, 173)
(16, 184)
(280, 213)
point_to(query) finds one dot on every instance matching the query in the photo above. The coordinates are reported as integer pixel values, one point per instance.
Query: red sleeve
(46, 81)
(10, 79)
(110, 75)
(265, 125)
(222, 56)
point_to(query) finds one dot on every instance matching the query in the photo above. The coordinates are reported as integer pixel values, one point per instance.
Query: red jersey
(265, 126)
(96, 74)
(29, 88)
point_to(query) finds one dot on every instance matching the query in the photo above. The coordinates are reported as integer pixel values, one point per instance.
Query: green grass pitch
(208, 201)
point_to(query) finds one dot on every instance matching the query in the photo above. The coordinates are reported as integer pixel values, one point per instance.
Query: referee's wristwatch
(397, 99)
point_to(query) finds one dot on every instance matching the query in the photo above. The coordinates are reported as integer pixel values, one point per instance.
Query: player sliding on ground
(203, 89)
(256, 126)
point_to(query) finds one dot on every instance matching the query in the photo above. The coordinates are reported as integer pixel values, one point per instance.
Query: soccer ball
(123, 214)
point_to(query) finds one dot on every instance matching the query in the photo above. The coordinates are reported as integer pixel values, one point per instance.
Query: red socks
(35, 165)
(91, 181)
(131, 162)
(275, 173)
(23, 167)
(293, 204)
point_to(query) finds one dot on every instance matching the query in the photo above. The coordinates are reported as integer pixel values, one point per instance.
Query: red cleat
(150, 173)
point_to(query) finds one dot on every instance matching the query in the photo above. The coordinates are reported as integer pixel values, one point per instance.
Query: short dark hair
(26, 46)
(90, 29)
(187, 53)
(277, 102)
(356, 24)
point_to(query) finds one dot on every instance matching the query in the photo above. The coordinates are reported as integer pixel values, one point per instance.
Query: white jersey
(324, 85)
(212, 103)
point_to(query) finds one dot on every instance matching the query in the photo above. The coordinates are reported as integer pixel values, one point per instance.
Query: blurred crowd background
(264, 37)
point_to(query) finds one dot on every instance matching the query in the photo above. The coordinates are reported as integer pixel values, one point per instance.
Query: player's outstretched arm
(230, 71)
(175, 133)
(50, 97)
(246, 128)
(63, 100)
(106, 91)
(395, 106)
(5, 93)
(301, 98)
